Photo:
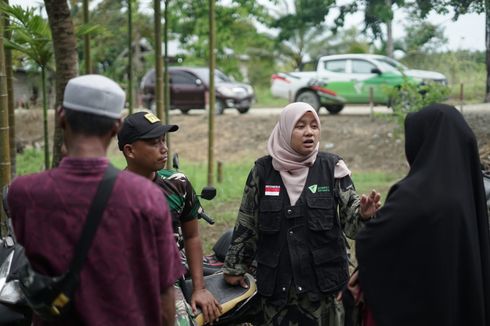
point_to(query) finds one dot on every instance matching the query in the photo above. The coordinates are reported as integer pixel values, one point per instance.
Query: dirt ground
(363, 142)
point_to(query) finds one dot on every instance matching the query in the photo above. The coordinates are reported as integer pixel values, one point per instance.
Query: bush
(411, 97)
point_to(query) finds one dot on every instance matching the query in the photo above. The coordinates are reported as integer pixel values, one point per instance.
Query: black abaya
(425, 258)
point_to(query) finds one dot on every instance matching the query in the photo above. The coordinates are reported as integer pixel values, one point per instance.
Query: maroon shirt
(133, 257)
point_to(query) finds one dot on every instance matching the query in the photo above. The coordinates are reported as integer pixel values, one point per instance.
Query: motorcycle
(235, 301)
(13, 308)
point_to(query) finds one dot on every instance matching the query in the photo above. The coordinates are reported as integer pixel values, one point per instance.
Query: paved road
(348, 110)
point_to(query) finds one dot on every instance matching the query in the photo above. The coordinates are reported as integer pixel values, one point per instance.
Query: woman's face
(305, 135)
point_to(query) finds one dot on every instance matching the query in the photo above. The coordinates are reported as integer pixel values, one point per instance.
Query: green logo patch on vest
(323, 189)
(313, 188)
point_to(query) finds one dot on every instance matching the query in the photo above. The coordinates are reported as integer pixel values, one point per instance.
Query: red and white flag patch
(272, 190)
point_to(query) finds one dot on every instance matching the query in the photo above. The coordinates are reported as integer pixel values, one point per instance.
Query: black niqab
(425, 258)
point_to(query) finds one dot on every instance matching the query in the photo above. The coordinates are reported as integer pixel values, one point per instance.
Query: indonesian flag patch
(272, 190)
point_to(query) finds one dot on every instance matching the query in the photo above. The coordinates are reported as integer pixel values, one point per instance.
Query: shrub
(411, 97)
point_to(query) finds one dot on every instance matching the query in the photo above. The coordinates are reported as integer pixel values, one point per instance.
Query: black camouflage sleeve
(349, 203)
(244, 242)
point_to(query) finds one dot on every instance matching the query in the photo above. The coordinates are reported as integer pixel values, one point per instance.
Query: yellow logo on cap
(151, 117)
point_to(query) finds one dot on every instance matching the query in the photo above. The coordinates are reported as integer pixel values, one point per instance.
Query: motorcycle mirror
(208, 193)
(175, 161)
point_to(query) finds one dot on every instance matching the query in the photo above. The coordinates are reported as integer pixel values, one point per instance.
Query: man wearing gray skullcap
(132, 264)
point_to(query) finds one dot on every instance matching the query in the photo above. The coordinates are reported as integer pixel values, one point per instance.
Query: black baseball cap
(142, 125)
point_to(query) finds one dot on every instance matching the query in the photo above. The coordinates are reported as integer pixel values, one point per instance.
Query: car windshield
(219, 76)
(386, 66)
(393, 63)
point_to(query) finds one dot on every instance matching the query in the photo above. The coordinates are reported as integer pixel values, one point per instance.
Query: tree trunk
(11, 105)
(65, 54)
(487, 46)
(4, 120)
(389, 33)
(86, 40)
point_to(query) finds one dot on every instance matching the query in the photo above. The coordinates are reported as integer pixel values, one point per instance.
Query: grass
(225, 206)
(266, 100)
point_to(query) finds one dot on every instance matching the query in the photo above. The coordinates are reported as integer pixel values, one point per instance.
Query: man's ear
(116, 127)
(62, 117)
(128, 151)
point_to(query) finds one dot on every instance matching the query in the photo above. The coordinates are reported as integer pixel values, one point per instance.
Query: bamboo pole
(45, 118)
(130, 57)
(10, 97)
(158, 59)
(166, 82)
(212, 98)
(5, 171)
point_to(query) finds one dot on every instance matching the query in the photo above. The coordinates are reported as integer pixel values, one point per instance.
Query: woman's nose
(308, 130)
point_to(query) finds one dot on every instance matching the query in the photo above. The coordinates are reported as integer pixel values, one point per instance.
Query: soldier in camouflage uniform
(142, 140)
(296, 206)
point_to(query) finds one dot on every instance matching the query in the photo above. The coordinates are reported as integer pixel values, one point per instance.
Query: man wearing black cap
(142, 141)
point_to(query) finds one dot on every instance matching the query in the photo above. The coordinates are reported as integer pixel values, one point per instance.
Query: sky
(467, 33)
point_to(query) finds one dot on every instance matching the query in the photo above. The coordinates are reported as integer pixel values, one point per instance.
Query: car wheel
(185, 111)
(219, 107)
(311, 98)
(334, 108)
(243, 110)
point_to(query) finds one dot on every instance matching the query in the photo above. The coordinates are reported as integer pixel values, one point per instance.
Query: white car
(349, 78)
(377, 59)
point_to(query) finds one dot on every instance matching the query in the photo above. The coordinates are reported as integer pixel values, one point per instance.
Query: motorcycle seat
(227, 295)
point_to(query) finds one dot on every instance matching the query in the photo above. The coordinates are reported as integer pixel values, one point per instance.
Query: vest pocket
(269, 220)
(267, 262)
(331, 269)
(320, 213)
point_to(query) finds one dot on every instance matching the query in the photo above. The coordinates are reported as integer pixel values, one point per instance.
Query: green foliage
(301, 27)
(458, 7)
(378, 12)
(460, 67)
(422, 37)
(238, 44)
(30, 34)
(412, 97)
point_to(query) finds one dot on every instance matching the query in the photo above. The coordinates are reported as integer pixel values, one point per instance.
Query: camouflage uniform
(184, 205)
(326, 310)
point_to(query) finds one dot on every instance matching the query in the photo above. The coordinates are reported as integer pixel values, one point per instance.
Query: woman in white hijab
(297, 204)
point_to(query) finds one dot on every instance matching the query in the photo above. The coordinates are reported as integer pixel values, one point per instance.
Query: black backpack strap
(94, 216)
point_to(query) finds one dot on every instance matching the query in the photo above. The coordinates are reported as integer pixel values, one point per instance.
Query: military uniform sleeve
(349, 204)
(191, 203)
(169, 263)
(244, 242)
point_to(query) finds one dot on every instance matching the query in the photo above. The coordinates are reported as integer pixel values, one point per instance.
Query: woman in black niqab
(425, 258)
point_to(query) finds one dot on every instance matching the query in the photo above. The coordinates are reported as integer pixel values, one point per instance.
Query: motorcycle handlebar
(206, 217)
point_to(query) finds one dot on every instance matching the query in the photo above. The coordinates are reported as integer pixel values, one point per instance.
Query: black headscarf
(425, 258)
